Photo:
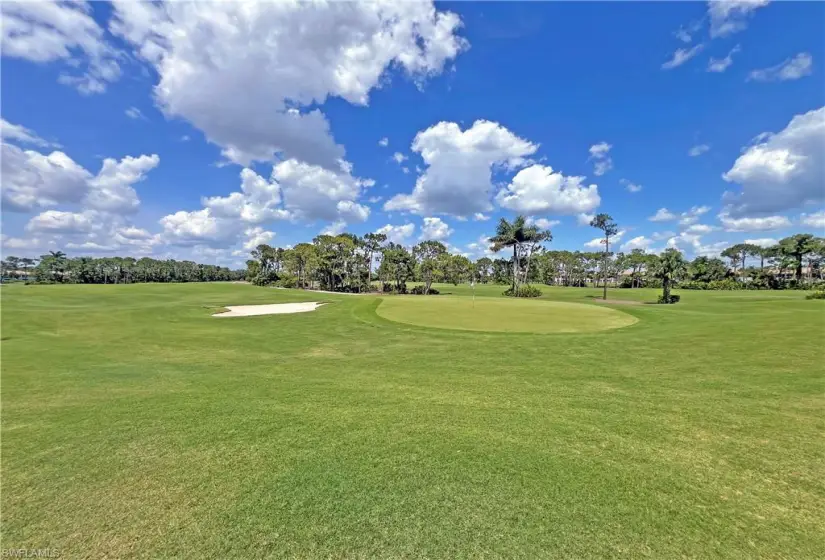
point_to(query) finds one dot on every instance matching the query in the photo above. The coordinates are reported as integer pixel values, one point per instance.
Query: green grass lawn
(502, 314)
(134, 424)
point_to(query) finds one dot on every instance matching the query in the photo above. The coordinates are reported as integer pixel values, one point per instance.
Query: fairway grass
(501, 314)
(136, 425)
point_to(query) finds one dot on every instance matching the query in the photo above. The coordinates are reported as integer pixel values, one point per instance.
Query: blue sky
(198, 132)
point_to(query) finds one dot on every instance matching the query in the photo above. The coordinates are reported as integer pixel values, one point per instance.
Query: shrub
(627, 282)
(726, 284)
(523, 291)
(816, 295)
(265, 279)
(672, 299)
(816, 285)
(693, 285)
(348, 289)
(287, 282)
(391, 289)
(764, 280)
(419, 291)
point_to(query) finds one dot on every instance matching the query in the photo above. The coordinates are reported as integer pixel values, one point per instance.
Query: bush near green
(523, 292)
(287, 282)
(816, 295)
(393, 289)
(419, 291)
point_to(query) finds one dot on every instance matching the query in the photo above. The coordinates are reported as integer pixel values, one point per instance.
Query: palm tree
(56, 261)
(515, 234)
(670, 267)
(605, 223)
(509, 234)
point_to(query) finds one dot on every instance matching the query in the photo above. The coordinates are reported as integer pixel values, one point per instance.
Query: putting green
(501, 315)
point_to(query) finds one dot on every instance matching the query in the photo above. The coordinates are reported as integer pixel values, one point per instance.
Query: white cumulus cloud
(630, 186)
(435, 229)
(584, 219)
(730, 16)
(762, 242)
(257, 236)
(719, 65)
(397, 234)
(794, 68)
(698, 150)
(816, 220)
(692, 216)
(781, 171)
(457, 177)
(598, 242)
(112, 189)
(55, 221)
(764, 223)
(682, 55)
(22, 135)
(258, 201)
(32, 180)
(247, 73)
(134, 113)
(602, 162)
(542, 223)
(700, 229)
(662, 215)
(51, 31)
(640, 242)
(312, 192)
(540, 190)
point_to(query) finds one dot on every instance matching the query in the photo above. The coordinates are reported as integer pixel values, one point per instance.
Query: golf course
(462, 425)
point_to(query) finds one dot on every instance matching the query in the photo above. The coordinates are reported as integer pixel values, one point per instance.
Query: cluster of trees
(798, 258)
(56, 267)
(16, 267)
(347, 263)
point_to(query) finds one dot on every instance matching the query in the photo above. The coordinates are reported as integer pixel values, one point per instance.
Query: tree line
(57, 268)
(352, 263)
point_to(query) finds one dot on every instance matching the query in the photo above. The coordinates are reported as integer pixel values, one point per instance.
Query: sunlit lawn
(136, 425)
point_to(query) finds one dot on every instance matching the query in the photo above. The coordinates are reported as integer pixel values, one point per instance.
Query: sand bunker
(269, 309)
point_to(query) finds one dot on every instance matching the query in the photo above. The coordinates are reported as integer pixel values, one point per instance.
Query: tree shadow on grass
(620, 301)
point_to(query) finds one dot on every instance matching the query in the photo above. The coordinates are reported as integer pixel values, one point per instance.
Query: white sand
(270, 309)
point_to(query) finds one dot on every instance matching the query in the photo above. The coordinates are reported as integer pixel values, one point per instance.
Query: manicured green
(502, 314)
(134, 424)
